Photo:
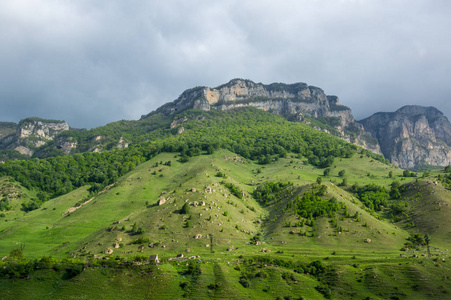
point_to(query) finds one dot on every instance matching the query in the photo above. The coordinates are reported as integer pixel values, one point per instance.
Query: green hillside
(241, 204)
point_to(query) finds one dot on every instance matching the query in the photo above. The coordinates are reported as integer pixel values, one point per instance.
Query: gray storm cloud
(94, 62)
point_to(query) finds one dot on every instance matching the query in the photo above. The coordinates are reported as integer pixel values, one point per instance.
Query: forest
(204, 133)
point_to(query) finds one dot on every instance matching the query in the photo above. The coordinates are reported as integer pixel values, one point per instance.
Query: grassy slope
(362, 267)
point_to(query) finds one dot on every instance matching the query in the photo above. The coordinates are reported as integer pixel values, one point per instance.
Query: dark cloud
(94, 62)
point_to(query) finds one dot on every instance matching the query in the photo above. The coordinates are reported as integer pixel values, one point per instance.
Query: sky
(91, 62)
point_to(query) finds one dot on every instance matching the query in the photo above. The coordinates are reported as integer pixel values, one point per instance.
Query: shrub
(185, 208)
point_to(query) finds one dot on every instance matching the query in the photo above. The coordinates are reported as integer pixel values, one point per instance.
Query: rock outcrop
(413, 136)
(31, 134)
(296, 102)
(279, 98)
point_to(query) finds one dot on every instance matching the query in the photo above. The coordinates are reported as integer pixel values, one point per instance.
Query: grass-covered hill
(240, 204)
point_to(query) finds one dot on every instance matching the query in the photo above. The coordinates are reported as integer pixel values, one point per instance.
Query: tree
(16, 254)
(342, 173)
(319, 180)
(185, 209)
(326, 172)
(134, 228)
(344, 182)
(415, 240)
(394, 193)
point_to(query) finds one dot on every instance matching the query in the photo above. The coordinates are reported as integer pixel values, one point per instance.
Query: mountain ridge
(298, 102)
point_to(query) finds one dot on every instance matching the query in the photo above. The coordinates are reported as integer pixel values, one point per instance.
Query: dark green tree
(16, 254)
(185, 209)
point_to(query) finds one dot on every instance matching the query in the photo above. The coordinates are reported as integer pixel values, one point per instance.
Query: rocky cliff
(413, 136)
(297, 102)
(31, 134)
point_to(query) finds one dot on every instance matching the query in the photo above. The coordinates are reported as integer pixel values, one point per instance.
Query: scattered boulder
(293, 232)
(154, 258)
(193, 190)
(179, 255)
(198, 236)
(367, 241)
(141, 247)
(207, 190)
(195, 203)
(119, 239)
(116, 245)
(109, 251)
(161, 200)
(188, 250)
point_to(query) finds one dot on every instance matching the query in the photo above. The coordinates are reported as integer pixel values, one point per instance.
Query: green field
(217, 234)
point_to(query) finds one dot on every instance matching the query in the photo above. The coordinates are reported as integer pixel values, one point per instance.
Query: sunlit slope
(106, 221)
(429, 210)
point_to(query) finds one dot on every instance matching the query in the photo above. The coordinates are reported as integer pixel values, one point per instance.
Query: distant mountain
(30, 134)
(413, 136)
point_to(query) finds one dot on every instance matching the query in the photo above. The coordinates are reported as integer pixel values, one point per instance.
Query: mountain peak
(420, 110)
(280, 98)
(412, 136)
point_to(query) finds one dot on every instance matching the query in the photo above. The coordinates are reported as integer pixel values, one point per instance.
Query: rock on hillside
(293, 101)
(31, 133)
(413, 136)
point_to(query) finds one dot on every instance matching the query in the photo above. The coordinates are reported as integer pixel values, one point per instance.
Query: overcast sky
(93, 62)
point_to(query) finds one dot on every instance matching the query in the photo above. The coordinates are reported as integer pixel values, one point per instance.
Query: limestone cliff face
(294, 101)
(279, 98)
(412, 136)
(31, 134)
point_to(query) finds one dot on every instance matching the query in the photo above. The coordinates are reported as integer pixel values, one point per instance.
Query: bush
(194, 268)
(73, 270)
(185, 209)
(244, 282)
(16, 254)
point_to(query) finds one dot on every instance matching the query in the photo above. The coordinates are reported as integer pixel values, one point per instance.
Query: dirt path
(74, 208)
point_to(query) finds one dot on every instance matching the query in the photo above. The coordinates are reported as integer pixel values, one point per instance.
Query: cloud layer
(94, 62)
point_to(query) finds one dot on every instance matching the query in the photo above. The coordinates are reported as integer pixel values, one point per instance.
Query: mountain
(413, 136)
(30, 134)
(297, 102)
